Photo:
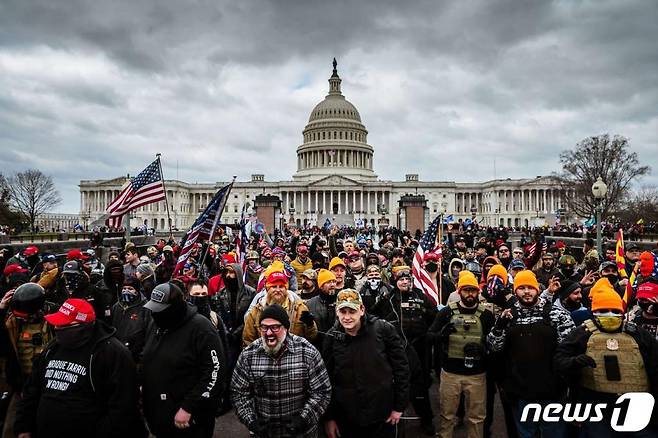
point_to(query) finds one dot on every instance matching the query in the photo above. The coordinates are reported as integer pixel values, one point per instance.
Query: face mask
(567, 271)
(71, 282)
(374, 283)
(171, 316)
(648, 307)
(74, 336)
(609, 321)
(431, 267)
(202, 304)
(128, 296)
(612, 278)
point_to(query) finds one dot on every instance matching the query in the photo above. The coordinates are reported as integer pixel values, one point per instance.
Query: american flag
(427, 244)
(205, 225)
(145, 188)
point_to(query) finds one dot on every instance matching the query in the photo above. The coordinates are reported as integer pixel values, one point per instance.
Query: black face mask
(431, 267)
(171, 316)
(612, 278)
(650, 308)
(74, 336)
(202, 304)
(231, 283)
(568, 272)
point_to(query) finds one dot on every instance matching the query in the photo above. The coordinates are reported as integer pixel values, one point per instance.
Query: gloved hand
(447, 330)
(583, 360)
(474, 350)
(307, 318)
(259, 427)
(502, 322)
(295, 425)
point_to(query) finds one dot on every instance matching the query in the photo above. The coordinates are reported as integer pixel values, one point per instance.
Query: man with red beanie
(83, 384)
(606, 357)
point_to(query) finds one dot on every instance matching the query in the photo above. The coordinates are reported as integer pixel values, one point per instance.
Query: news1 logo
(630, 413)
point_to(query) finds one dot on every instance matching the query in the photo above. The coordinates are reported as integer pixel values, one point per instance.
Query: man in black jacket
(412, 313)
(369, 373)
(323, 306)
(130, 318)
(183, 373)
(83, 384)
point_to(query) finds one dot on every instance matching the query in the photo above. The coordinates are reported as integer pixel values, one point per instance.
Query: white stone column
(361, 201)
(331, 202)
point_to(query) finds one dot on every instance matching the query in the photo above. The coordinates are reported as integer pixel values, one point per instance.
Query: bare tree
(32, 193)
(641, 204)
(609, 158)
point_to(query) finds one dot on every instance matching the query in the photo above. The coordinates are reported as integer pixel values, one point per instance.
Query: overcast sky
(93, 89)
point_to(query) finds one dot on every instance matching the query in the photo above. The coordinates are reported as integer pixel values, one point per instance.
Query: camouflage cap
(348, 298)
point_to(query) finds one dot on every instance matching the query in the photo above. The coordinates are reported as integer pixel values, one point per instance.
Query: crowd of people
(324, 332)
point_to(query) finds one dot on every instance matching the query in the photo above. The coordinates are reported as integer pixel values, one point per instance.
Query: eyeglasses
(274, 328)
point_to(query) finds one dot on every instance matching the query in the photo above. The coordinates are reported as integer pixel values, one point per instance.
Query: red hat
(228, 258)
(73, 309)
(76, 254)
(431, 256)
(30, 251)
(302, 249)
(647, 290)
(14, 268)
(277, 278)
(560, 244)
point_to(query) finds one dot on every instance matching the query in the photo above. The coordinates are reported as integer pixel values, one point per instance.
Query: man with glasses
(504, 255)
(280, 386)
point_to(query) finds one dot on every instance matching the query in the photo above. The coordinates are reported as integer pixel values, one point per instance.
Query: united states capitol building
(335, 180)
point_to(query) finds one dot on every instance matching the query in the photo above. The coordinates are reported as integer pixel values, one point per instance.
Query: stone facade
(335, 180)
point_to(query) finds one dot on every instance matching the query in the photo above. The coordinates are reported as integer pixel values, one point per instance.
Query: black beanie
(276, 312)
(567, 288)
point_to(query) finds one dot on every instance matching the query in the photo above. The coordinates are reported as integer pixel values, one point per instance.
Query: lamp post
(599, 190)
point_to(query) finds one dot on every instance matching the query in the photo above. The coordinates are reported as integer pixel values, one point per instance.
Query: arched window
(323, 135)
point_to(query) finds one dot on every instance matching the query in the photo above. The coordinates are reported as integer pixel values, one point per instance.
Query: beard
(277, 299)
(275, 349)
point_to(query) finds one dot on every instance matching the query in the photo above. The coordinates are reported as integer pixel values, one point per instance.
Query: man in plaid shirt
(280, 386)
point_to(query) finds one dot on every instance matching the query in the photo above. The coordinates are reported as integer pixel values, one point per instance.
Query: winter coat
(90, 391)
(131, 322)
(182, 368)
(233, 314)
(369, 372)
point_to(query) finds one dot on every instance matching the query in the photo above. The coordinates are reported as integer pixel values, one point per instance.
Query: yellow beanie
(604, 296)
(500, 271)
(466, 278)
(336, 261)
(275, 266)
(325, 275)
(526, 278)
(398, 269)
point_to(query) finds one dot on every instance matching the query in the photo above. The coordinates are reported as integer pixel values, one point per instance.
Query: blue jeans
(529, 428)
(602, 429)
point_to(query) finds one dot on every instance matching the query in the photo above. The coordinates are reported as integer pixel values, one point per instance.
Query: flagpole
(440, 263)
(220, 209)
(165, 190)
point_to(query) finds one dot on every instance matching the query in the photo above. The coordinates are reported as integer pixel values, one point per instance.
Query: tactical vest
(632, 373)
(468, 328)
(29, 339)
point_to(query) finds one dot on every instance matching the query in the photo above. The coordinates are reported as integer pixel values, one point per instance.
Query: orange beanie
(466, 278)
(526, 278)
(604, 296)
(499, 271)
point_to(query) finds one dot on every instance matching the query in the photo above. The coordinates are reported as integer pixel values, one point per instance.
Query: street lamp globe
(599, 189)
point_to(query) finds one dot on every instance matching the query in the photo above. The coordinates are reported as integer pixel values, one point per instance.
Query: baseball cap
(310, 274)
(167, 248)
(71, 267)
(47, 257)
(161, 297)
(431, 256)
(277, 278)
(516, 264)
(76, 254)
(30, 251)
(14, 268)
(72, 310)
(348, 298)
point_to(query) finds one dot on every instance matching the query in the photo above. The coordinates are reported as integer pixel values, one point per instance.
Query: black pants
(418, 355)
(201, 428)
(347, 429)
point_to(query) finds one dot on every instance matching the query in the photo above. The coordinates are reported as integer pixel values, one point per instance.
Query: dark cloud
(92, 90)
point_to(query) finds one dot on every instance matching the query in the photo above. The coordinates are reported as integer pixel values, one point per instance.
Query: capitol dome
(335, 139)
